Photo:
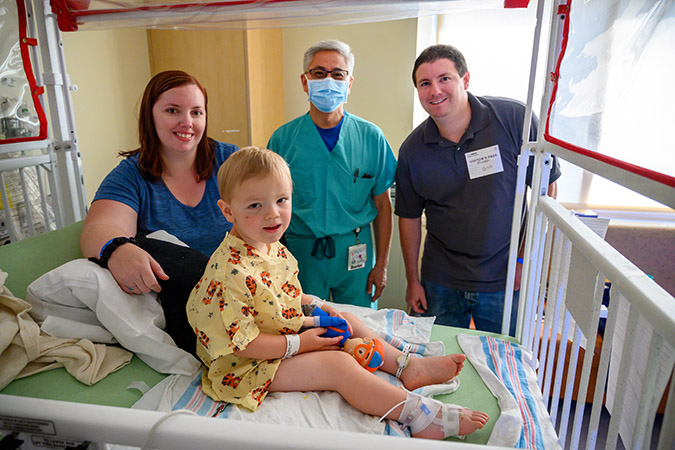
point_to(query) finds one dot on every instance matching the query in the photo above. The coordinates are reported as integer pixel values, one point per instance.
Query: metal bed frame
(50, 192)
(566, 265)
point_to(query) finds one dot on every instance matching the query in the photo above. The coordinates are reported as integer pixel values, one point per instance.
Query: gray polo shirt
(468, 220)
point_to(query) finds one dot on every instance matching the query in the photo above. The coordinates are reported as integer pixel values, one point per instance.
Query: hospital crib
(566, 273)
(571, 271)
(561, 313)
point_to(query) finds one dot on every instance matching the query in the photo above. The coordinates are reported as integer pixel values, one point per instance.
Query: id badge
(483, 162)
(358, 254)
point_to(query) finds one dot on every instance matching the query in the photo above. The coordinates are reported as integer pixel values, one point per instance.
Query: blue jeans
(455, 307)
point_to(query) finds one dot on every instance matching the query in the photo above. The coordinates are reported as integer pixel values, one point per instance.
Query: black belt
(324, 247)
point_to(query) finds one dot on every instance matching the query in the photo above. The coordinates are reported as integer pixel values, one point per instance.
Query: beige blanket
(25, 350)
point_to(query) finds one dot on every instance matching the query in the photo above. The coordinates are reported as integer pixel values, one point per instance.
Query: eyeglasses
(336, 74)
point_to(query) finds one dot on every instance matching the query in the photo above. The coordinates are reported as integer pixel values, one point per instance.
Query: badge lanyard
(358, 254)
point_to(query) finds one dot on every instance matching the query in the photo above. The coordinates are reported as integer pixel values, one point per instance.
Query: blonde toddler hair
(249, 162)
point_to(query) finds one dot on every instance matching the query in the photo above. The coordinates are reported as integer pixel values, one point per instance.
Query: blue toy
(368, 352)
(335, 326)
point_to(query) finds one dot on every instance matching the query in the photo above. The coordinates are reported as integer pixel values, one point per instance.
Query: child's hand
(331, 310)
(311, 341)
(335, 313)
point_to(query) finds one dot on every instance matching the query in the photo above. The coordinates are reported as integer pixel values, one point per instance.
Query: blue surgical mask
(327, 94)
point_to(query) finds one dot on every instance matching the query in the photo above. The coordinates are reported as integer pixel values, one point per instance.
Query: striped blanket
(323, 410)
(506, 368)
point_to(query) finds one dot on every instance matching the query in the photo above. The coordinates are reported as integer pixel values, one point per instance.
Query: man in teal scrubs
(342, 167)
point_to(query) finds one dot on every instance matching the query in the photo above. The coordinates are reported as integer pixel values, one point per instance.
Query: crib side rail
(28, 181)
(561, 328)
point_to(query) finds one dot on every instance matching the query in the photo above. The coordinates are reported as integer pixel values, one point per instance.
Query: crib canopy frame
(548, 225)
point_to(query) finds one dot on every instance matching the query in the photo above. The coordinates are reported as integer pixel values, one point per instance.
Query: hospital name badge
(483, 162)
(358, 254)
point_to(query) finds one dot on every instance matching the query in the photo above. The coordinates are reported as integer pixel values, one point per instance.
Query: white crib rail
(565, 303)
(27, 183)
(42, 180)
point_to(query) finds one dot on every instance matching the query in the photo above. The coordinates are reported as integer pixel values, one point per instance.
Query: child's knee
(351, 318)
(340, 361)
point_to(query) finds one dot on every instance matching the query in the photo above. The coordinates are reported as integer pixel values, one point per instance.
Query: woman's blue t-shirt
(202, 227)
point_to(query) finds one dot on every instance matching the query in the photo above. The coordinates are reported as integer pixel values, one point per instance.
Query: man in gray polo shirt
(459, 167)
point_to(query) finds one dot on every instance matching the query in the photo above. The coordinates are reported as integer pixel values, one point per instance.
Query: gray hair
(329, 45)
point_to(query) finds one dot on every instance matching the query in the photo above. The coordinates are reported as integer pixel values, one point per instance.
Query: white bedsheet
(324, 410)
(80, 299)
(24, 350)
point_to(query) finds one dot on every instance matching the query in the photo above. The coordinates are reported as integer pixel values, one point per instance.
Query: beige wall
(111, 80)
(110, 69)
(384, 53)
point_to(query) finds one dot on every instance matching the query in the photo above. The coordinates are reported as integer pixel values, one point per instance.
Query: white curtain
(615, 93)
(623, 104)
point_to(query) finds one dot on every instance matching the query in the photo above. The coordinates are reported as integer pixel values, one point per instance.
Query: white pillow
(82, 291)
(61, 327)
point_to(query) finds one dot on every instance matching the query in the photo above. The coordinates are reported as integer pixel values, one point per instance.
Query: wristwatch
(108, 249)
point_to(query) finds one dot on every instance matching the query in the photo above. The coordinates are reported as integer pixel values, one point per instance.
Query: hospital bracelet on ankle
(292, 345)
(403, 360)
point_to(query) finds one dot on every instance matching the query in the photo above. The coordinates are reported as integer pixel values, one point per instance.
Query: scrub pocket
(360, 193)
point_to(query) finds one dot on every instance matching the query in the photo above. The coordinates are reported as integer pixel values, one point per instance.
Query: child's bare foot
(469, 421)
(432, 370)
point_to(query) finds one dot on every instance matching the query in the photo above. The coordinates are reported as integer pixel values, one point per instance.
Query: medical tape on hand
(292, 345)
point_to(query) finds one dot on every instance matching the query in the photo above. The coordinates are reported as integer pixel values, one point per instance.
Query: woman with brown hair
(168, 183)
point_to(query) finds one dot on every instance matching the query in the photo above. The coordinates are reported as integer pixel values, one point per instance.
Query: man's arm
(553, 193)
(410, 231)
(553, 190)
(382, 226)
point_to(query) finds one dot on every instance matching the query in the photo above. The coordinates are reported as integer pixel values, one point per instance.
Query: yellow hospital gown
(243, 293)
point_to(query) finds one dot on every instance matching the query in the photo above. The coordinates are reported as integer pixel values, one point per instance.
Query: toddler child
(254, 338)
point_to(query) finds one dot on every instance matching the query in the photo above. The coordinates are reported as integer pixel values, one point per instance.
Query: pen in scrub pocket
(356, 175)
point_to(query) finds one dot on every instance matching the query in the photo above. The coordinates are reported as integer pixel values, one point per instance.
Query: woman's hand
(135, 270)
(311, 341)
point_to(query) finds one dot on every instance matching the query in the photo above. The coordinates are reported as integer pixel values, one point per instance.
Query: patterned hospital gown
(243, 293)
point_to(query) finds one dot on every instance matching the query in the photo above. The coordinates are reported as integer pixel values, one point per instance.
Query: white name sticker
(483, 162)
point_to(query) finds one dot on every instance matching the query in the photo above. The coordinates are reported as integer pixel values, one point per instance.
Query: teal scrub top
(333, 191)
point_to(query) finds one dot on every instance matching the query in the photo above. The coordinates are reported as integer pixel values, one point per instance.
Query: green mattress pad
(472, 392)
(25, 261)
(116, 389)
